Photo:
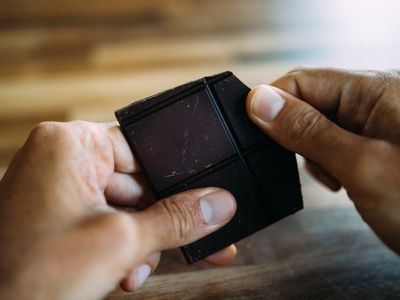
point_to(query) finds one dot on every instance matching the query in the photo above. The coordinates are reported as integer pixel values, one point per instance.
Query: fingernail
(217, 207)
(266, 103)
(140, 275)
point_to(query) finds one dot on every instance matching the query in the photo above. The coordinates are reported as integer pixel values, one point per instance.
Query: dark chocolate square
(187, 135)
(231, 93)
(279, 183)
(199, 135)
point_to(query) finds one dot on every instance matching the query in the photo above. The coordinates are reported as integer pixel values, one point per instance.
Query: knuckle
(68, 134)
(303, 70)
(305, 126)
(44, 129)
(82, 126)
(291, 78)
(295, 72)
(49, 132)
(179, 216)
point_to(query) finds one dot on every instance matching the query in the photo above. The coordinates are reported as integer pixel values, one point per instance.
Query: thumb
(104, 248)
(300, 128)
(184, 218)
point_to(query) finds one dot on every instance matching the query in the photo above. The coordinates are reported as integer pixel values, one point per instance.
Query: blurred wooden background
(63, 60)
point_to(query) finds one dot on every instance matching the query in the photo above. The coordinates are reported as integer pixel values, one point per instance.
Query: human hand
(347, 125)
(61, 237)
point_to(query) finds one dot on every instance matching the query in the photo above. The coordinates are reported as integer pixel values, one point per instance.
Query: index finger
(347, 96)
(124, 160)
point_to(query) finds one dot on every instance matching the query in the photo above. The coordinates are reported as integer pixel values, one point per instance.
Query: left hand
(62, 237)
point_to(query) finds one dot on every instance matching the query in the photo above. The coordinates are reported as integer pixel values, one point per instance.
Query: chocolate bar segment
(231, 94)
(279, 183)
(180, 140)
(198, 135)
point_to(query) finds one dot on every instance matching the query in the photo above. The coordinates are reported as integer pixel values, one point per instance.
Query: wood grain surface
(64, 60)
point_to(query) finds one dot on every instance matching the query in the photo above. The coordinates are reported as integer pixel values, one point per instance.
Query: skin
(62, 236)
(346, 124)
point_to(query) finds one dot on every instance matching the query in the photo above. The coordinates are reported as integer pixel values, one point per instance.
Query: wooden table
(70, 59)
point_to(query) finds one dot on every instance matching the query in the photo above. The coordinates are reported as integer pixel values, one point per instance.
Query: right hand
(347, 126)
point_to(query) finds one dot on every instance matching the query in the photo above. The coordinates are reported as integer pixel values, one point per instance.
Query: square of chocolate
(199, 135)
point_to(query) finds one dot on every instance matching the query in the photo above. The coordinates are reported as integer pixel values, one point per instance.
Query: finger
(321, 88)
(322, 175)
(349, 95)
(224, 257)
(184, 218)
(129, 190)
(124, 160)
(136, 277)
(299, 127)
